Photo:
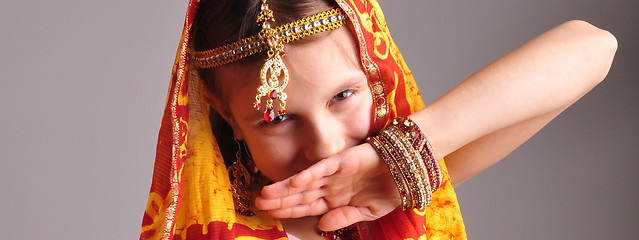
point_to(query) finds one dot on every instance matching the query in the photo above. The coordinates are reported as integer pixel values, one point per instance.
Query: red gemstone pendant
(269, 115)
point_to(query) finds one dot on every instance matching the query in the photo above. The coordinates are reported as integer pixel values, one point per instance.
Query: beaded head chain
(274, 74)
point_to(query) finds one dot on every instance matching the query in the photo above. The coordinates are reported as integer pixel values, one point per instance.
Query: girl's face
(328, 108)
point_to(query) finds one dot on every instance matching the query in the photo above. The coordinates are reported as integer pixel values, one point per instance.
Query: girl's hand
(350, 187)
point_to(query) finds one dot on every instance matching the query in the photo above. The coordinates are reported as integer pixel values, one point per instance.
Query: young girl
(290, 102)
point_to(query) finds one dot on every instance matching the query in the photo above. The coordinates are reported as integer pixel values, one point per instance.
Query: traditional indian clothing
(190, 196)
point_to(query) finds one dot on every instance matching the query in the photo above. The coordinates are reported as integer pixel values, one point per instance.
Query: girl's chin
(278, 177)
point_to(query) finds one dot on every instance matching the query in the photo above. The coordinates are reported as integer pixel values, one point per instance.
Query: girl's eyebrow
(350, 81)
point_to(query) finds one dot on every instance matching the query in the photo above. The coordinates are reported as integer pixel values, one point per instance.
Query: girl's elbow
(607, 44)
(600, 44)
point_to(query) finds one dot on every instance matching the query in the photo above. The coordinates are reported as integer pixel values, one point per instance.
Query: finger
(304, 197)
(342, 217)
(314, 208)
(283, 188)
(319, 183)
(318, 171)
(280, 189)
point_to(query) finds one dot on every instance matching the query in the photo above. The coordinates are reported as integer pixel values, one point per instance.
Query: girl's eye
(342, 95)
(278, 119)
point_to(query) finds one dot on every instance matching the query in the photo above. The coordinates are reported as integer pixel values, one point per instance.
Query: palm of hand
(350, 187)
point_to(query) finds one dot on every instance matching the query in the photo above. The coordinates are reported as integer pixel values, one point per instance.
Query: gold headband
(286, 33)
(271, 40)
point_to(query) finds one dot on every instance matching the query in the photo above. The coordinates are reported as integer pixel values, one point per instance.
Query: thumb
(341, 217)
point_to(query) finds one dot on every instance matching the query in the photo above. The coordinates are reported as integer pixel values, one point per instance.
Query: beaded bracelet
(410, 159)
(392, 145)
(379, 145)
(420, 142)
(434, 170)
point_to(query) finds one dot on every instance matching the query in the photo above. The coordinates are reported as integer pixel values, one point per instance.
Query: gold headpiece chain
(272, 40)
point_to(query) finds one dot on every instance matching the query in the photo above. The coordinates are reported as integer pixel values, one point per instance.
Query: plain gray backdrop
(84, 85)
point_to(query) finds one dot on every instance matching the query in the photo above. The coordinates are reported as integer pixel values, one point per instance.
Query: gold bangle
(409, 156)
(396, 173)
(417, 171)
(421, 143)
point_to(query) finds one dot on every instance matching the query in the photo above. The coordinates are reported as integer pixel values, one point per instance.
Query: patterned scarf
(190, 196)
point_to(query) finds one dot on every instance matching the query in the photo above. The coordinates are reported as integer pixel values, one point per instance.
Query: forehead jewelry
(274, 74)
(273, 68)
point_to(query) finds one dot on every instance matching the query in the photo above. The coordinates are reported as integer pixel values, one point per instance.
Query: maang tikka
(272, 69)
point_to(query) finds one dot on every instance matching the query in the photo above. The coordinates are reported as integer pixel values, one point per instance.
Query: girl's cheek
(274, 160)
(361, 124)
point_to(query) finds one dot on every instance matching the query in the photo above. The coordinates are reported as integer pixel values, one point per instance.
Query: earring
(251, 165)
(240, 185)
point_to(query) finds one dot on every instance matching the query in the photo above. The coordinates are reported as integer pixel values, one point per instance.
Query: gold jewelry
(385, 154)
(274, 74)
(419, 141)
(240, 185)
(301, 28)
(422, 183)
(410, 159)
(272, 69)
(413, 168)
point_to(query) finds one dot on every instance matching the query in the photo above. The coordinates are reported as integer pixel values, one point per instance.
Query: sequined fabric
(190, 195)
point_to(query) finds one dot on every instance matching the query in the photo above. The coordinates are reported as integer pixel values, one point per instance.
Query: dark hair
(219, 22)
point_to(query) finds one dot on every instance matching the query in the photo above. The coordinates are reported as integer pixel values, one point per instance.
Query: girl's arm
(495, 110)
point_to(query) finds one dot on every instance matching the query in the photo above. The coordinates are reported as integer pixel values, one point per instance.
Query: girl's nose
(324, 137)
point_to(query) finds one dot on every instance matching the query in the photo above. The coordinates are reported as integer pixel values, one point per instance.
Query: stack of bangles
(410, 159)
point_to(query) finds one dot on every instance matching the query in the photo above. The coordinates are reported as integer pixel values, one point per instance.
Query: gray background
(84, 85)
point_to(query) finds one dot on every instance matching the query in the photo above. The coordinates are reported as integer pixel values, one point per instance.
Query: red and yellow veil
(190, 196)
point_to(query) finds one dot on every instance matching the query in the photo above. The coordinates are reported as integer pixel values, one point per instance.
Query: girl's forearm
(521, 91)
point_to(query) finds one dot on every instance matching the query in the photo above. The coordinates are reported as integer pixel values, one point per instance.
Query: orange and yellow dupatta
(190, 195)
